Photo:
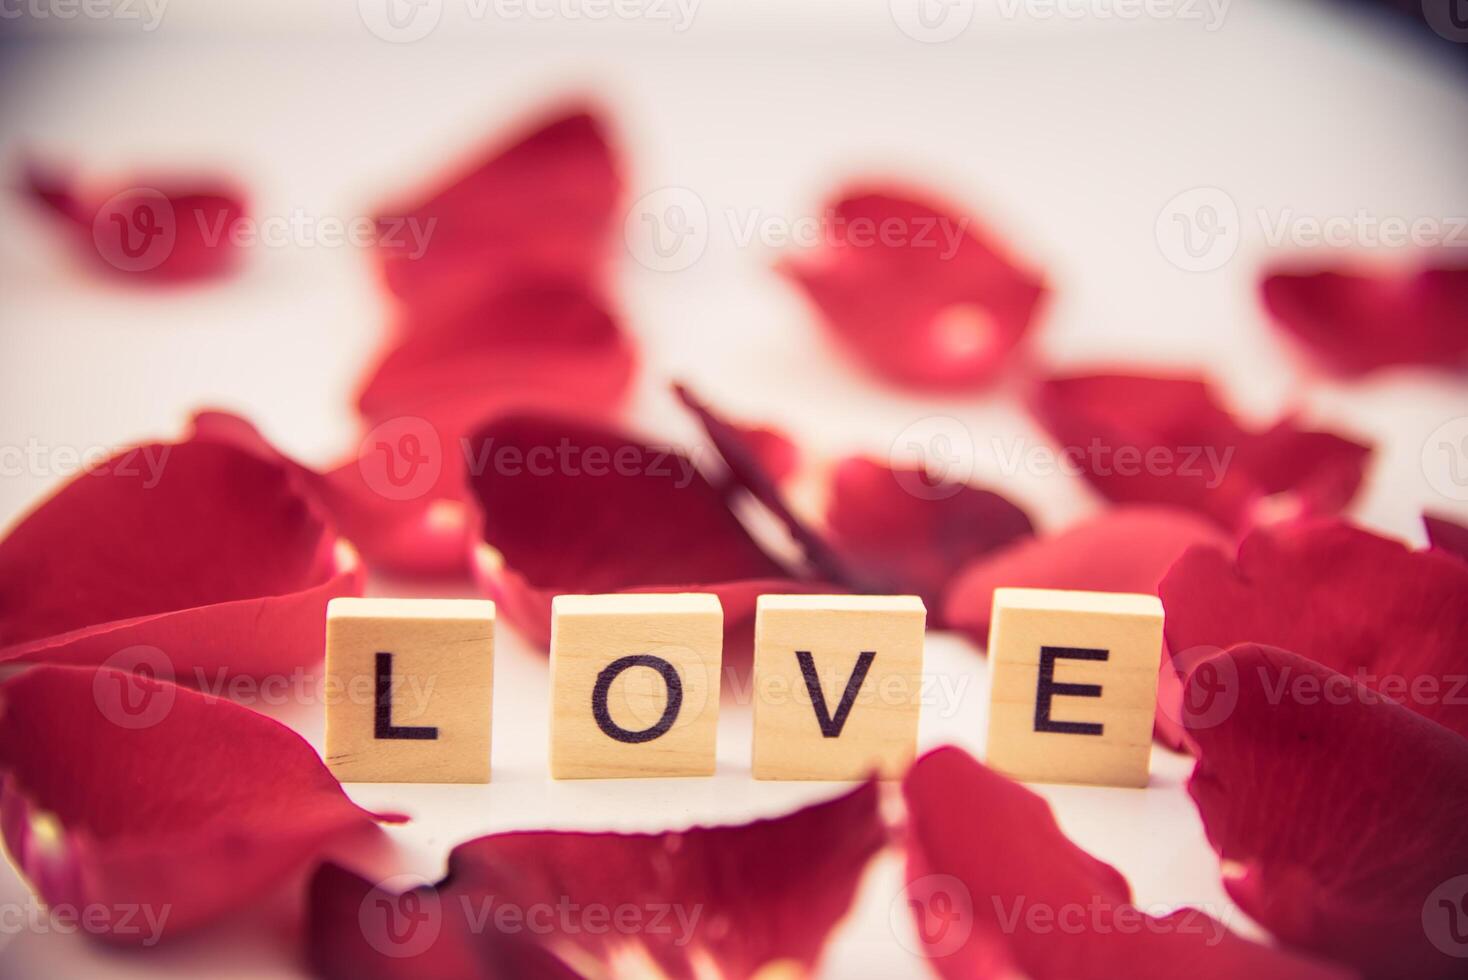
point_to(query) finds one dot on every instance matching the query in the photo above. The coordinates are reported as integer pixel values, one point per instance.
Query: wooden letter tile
(409, 689)
(1073, 685)
(837, 685)
(635, 684)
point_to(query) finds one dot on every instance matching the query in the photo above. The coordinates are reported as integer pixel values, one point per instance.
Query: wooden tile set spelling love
(837, 686)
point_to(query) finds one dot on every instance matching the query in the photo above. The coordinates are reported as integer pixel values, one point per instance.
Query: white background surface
(1067, 135)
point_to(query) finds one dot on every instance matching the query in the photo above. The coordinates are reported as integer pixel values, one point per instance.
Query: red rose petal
(726, 901)
(1446, 535)
(747, 468)
(899, 529)
(397, 527)
(1360, 604)
(156, 229)
(208, 554)
(1338, 814)
(1167, 441)
(542, 206)
(574, 508)
(142, 798)
(999, 891)
(919, 294)
(548, 347)
(1124, 549)
(1355, 322)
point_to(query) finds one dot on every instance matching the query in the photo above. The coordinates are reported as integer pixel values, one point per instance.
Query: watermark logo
(1199, 229)
(1209, 688)
(667, 230)
(1445, 459)
(1448, 17)
(1445, 917)
(402, 458)
(135, 230)
(401, 917)
(400, 21)
(125, 695)
(940, 910)
(933, 457)
(1209, 13)
(932, 21)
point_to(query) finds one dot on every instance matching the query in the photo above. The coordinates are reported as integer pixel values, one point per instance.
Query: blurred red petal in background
(1124, 549)
(1447, 535)
(919, 293)
(1159, 440)
(154, 229)
(547, 347)
(908, 533)
(381, 500)
(213, 558)
(542, 206)
(998, 891)
(1338, 815)
(153, 806)
(1392, 619)
(1354, 322)
(737, 900)
(569, 507)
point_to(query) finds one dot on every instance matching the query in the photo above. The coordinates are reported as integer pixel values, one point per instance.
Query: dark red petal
(1446, 535)
(1338, 814)
(1125, 549)
(382, 501)
(205, 552)
(1360, 604)
(749, 896)
(542, 206)
(747, 468)
(998, 891)
(909, 534)
(778, 456)
(121, 791)
(1159, 440)
(937, 303)
(1355, 322)
(155, 229)
(571, 507)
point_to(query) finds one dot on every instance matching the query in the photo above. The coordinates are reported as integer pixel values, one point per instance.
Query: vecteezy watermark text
(405, 21)
(1200, 229)
(36, 458)
(935, 456)
(138, 922)
(936, 21)
(669, 229)
(149, 13)
(404, 916)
